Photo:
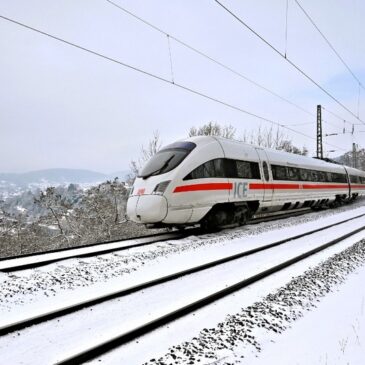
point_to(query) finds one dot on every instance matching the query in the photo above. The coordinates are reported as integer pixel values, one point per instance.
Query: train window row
(229, 168)
(223, 167)
(298, 174)
(357, 179)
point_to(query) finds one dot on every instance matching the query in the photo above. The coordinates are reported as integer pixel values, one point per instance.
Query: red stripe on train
(358, 186)
(204, 187)
(324, 186)
(260, 186)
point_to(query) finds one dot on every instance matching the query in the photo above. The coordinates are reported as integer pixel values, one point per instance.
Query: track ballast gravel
(244, 332)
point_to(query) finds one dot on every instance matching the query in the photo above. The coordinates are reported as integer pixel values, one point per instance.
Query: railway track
(40, 259)
(140, 330)
(35, 260)
(126, 337)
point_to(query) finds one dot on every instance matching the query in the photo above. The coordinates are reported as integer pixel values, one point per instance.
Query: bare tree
(270, 138)
(153, 147)
(57, 207)
(213, 129)
(7, 224)
(100, 210)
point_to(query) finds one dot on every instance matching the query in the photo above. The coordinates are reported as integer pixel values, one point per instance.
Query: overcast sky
(63, 107)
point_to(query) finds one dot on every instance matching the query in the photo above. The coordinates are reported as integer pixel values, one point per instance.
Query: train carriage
(219, 182)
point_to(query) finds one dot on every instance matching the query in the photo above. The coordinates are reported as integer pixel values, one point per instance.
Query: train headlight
(161, 187)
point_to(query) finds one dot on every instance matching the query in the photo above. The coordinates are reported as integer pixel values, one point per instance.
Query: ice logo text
(240, 190)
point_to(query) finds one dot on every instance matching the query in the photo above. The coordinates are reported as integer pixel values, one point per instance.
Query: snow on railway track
(104, 272)
(35, 260)
(127, 312)
(70, 308)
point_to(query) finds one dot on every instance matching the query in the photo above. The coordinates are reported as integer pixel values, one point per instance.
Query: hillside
(57, 176)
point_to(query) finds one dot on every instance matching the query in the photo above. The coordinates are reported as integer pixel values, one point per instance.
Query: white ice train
(217, 182)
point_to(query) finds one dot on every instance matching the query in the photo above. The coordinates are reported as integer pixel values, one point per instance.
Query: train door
(266, 175)
(348, 181)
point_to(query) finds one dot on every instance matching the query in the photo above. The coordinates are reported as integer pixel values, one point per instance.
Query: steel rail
(119, 340)
(58, 312)
(40, 259)
(65, 249)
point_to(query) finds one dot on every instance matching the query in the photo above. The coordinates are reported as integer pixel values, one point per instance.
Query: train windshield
(167, 159)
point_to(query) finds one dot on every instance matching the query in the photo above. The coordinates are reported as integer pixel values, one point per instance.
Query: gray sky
(62, 107)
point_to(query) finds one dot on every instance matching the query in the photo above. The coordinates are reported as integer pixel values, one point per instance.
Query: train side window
(321, 176)
(335, 177)
(230, 168)
(305, 175)
(197, 173)
(255, 170)
(293, 174)
(266, 171)
(314, 176)
(354, 179)
(205, 170)
(222, 167)
(279, 172)
(339, 178)
(329, 176)
(243, 169)
(209, 169)
(219, 167)
(248, 170)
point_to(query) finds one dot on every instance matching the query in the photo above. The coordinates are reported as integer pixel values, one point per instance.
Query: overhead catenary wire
(224, 66)
(329, 44)
(338, 116)
(331, 124)
(358, 100)
(277, 51)
(286, 27)
(203, 54)
(170, 54)
(300, 124)
(156, 77)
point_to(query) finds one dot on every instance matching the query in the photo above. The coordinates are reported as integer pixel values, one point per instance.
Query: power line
(299, 124)
(169, 35)
(286, 27)
(339, 117)
(288, 60)
(146, 73)
(156, 28)
(329, 44)
(329, 123)
(217, 62)
(228, 68)
(171, 65)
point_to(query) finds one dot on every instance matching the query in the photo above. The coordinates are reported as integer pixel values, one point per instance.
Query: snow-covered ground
(233, 330)
(335, 331)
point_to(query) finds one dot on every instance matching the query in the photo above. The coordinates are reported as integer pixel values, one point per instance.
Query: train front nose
(147, 208)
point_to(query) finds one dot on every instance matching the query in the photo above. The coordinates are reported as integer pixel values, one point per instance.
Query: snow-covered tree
(152, 148)
(213, 129)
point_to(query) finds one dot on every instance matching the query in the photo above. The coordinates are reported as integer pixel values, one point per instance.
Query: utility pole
(319, 133)
(354, 156)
